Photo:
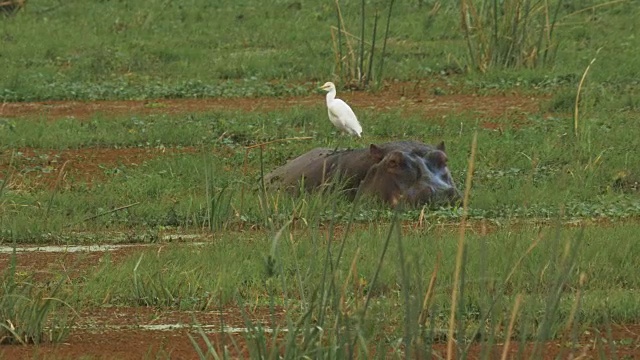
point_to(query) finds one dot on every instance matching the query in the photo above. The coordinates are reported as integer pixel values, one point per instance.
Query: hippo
(408, 172)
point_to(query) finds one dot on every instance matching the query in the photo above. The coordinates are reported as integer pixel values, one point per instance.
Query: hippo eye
(436, 160)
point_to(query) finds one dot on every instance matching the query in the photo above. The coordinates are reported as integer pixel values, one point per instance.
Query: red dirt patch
(623, 343)
(114, 333)
(412, 97)
(35, 168)
(72, 265)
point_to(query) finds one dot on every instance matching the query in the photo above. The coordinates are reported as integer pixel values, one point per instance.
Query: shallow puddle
(179, 326)
(94, 248)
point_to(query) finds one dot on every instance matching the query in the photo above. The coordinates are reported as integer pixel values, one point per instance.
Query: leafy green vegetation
(117, 50)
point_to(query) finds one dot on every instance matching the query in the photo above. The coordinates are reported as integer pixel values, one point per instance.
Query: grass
(510, 34)
(541, 173)
(32, 314)
(353, 279)
(125, 51)
(537, 168)
(240, 265)
(540, 263)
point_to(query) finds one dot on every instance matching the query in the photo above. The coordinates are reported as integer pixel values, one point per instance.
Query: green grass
(236, 264)
(538, 168)
(543, 265)
(100, 50)
(532, 176)
(32, 313)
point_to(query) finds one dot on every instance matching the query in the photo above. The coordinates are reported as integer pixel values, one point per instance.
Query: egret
(340, 113)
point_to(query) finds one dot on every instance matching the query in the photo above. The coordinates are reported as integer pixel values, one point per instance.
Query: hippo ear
(441, 146)
(376, 153)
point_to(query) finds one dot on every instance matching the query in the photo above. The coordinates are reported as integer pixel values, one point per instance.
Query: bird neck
(331, 95)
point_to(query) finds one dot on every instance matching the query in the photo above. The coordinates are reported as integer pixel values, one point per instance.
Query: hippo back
(304, 166)
(321, 167)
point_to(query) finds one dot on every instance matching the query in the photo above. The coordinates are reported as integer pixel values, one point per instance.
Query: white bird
(340, 113)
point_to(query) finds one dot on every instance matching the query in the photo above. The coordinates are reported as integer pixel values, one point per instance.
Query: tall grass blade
(404, 275)
(7, 175)
(55, 190)
(426, 303)
(268, 220)
(384, 44)
(461, 246)
(507, 34)
(328, 267)
(394, 223)
(577, 101)
(361, 66)
(460, 307)
(512, 323)
(210, 348)
(553, 298)
(610, 339)
(372, 51)
(340, 25)
(354, 207)
(465, 20)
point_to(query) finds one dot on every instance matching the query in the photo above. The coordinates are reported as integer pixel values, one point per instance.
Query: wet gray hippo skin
(396, 172)
(321, 168)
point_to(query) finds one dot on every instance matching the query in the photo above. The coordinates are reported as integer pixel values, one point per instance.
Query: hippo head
(418, 176)
(436, 185)
(391, 176)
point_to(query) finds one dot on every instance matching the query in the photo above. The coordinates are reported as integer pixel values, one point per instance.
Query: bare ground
(414, 97)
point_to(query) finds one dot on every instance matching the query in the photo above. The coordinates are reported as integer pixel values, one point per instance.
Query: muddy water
(93, 248)
(178, 326)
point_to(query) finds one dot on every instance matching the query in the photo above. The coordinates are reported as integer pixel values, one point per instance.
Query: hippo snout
(450, 196)
(422, 194)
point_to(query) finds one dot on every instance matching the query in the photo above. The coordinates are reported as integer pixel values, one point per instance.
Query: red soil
(413, 97)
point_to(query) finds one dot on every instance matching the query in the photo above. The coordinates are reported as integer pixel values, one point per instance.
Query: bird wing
(343, 116)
